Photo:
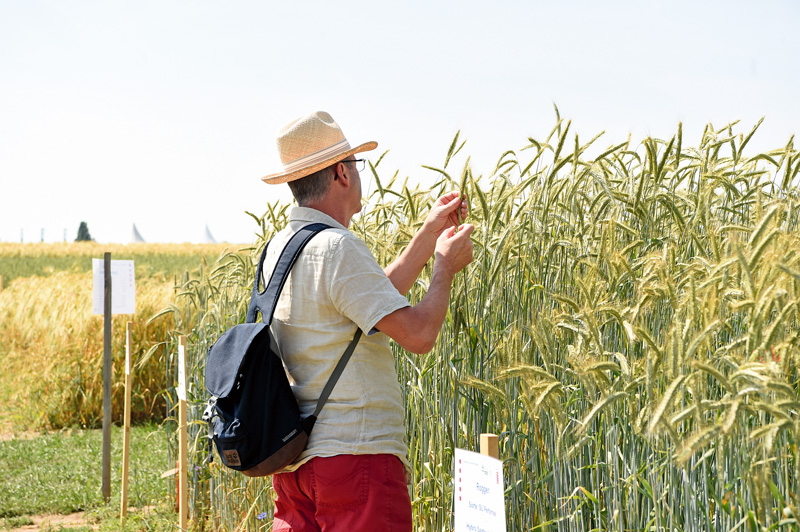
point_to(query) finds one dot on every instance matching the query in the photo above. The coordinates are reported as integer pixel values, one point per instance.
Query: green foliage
(629, 328)
(15, 522)
(83, 233)
(160, 517)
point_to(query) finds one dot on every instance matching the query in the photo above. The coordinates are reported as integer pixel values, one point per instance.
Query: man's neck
(333, 209)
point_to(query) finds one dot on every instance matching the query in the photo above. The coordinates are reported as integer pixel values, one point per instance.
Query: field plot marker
(183, 450)
(126, 444)
(489, 446)
(479, 489)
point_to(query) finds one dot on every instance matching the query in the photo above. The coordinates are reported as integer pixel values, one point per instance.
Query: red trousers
(345, 493)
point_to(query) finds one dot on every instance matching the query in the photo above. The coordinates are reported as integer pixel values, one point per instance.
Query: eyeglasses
(360, 163)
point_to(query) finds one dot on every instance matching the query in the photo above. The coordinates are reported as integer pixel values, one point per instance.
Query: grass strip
(60, 472)
(25, 260)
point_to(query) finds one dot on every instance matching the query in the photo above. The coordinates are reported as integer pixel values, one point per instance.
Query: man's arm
(416, 328)
(403, 272)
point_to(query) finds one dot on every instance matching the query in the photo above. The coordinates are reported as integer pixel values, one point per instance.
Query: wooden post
(1, 283)
(126, 443)
(106, 487)
(489, 445)
(183, 450)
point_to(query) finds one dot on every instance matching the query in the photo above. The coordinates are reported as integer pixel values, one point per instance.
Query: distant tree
(83, 233)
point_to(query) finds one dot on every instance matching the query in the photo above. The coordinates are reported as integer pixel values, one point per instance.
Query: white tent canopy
(208, 238)
(136, 237)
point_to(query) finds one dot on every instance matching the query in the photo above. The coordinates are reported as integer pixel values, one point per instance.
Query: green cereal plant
(629, 327)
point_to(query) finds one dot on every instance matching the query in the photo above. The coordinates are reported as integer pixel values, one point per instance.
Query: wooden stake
(1, 283)
(183, 451)
(489, 446)
(106, 487)
(126, 444)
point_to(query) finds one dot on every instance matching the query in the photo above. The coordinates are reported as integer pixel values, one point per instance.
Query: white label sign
(127, 354)
(478, 498)
(123, 287)
(181, 373)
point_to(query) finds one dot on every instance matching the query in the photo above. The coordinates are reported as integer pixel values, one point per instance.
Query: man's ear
(339, 172)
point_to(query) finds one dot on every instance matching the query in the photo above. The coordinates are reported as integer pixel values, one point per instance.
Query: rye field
(629, 329)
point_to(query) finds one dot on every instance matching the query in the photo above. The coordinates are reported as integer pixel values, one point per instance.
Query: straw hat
(309, 144)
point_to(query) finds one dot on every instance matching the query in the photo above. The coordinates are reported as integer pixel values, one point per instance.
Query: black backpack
(253, 416)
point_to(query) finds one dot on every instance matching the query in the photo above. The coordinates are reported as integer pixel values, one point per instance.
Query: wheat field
(629, 329)
(51, 345)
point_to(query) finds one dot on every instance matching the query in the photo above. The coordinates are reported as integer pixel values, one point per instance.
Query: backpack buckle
(211, 410)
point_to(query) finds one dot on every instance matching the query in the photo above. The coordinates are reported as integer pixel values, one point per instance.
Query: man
(352, 476)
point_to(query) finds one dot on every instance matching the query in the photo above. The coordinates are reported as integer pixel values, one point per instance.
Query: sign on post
(478, 497)
(182, 368)
(123, 283)
(114, 293)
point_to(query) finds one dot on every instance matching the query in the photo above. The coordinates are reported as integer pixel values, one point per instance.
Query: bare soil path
(50, 522)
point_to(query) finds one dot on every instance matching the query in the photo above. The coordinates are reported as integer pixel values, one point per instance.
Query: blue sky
(163, 114)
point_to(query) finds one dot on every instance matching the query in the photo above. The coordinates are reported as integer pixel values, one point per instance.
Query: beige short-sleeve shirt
(335, 286)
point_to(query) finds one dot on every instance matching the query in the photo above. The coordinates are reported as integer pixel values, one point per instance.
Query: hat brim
(285, 177)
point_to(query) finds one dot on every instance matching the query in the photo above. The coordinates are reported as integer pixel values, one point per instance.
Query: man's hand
(445, 213)
(442, 218)
(454, 249)
(416, 328)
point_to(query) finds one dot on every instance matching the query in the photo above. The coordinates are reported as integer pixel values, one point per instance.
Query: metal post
(107, 377)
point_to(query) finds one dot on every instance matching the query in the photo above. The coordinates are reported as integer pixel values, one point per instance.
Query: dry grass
(51, 345)
(53, 352)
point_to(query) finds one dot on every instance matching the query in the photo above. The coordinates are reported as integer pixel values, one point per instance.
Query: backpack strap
(267, 300)
(308, 423)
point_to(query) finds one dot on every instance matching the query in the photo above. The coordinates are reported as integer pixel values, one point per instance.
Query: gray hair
(312, 187)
